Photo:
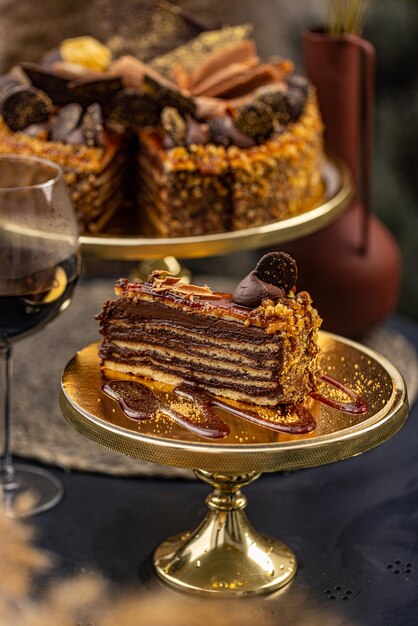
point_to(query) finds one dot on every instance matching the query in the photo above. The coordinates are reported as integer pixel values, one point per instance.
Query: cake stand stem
(225, 555)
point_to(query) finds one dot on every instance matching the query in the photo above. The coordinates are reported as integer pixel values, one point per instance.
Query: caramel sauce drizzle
(205, 401)
(358, 407)
(139, 402)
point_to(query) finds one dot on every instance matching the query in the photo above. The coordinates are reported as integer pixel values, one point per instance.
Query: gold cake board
(225, 555)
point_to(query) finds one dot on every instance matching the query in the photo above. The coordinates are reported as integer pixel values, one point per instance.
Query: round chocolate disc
(279, 269)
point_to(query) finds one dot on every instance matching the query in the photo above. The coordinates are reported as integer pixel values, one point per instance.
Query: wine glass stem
(6, 465)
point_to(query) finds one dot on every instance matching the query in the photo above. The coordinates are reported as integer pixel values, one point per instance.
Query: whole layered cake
(203, 139)
(258, 345)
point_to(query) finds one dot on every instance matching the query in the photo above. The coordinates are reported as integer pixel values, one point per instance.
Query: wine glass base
(33, 491)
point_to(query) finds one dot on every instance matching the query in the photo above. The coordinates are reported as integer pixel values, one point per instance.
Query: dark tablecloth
(353, 526)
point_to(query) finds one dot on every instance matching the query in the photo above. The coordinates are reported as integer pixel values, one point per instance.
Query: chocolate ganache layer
(166, 330)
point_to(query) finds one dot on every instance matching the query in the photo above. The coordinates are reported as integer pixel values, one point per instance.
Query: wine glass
(39, 266)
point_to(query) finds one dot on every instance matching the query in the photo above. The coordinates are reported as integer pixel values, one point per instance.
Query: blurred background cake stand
(225, 555)
(114, 244)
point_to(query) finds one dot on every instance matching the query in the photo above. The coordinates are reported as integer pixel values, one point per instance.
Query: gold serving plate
(117, 244)
(225, 555)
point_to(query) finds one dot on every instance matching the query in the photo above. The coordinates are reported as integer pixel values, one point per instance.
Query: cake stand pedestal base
(225, 555)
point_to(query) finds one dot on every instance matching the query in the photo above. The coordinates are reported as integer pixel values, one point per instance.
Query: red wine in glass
(25, 308)
(39, 267)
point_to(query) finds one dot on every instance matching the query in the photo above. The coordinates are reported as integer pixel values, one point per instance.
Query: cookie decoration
(279, 269)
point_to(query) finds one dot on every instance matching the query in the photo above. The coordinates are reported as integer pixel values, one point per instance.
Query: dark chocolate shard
(133, 109)
(174, 125)
(166, 96)
(196, 132)
(255, 120)
(92, 125)
(23, 106)
(65, 121)
(279, 269)
(50, 82)
(222, 131)
(251, 291)
(89, 90)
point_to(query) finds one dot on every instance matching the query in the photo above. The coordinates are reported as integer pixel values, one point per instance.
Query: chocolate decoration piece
(196, 132)
(75, 137)
(300, 82)
(192, 54)
(89, 90)
(22, 106)
(222, 131)
(165, 96)
(255, 120)
(251, 291)
(133, 109)
(279, 269)
(92, 125)
(243, 53)
(50, 82)
(288, 101)
(66, 120)
(174, 126)
(219, 130)
(275, 96)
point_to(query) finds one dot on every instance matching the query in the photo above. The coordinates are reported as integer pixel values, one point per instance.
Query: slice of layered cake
(258, 345)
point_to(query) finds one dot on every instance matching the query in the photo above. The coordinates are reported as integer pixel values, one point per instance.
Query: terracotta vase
(352, 267)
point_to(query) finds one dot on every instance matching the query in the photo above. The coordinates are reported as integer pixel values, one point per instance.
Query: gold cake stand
(225, 555)
(112, 245)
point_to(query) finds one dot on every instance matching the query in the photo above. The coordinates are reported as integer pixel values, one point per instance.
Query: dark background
(27, 29)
